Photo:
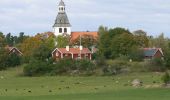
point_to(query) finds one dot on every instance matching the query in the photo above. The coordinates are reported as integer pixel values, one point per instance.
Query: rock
(137, 83)
(75, 72)
(166, 85)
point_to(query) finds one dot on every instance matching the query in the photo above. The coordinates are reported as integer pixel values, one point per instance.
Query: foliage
(36, 68)
(136, 54)
(42, 53)
(62, 41)
(156, 64)
(63, 66)
(3, 58)
(115, 42)
(86, 41)
(7, 60)
(13, 60)
(166, 78)
(141, 38)
(29, 45)
(115, 67)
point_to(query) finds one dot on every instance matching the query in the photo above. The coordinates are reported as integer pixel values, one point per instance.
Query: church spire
(62, 25)
(61, 7)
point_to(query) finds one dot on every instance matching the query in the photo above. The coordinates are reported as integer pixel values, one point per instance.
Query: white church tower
(62, 25)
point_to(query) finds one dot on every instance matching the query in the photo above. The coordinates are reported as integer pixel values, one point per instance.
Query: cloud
(33, 16)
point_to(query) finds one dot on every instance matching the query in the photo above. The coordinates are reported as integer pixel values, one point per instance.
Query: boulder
(137, 83)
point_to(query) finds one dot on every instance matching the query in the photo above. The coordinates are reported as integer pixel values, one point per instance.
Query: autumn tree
(87, 41)
(141, 38)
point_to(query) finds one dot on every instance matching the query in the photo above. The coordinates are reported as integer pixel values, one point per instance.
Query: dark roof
(150, 52)
(62, 20)
(61, 3)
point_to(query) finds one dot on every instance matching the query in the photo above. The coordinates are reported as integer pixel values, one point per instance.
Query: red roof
(73, 50)
(75, 35)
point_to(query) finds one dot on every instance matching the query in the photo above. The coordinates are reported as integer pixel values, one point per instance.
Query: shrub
(115, 67)
(63, 66)
(166, 78)
(139, 66)
(85, 65)
(36, 68)
(156, 64)
(13, 60)
(7, 60)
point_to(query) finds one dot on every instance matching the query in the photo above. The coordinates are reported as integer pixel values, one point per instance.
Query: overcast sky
(33, 16)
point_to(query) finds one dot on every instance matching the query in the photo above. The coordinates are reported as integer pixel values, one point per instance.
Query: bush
(156, 64)
(115, 67)
(166, 78)
(63, 66)
(13, 60)
(7, 60)
(37, 68)
(139, 66)
(85, 66)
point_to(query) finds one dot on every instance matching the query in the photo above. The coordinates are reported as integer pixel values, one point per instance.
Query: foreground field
(15, 87)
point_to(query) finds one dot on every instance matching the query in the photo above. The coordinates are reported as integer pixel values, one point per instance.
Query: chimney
(67, 48)
(81, 48)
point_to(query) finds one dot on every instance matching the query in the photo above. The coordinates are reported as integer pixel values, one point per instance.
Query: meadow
(13, 86)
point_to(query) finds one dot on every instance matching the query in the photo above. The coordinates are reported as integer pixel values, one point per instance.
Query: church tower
(62, 25)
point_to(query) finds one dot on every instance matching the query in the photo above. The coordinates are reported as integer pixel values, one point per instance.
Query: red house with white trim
(73, 53)
(151, 53)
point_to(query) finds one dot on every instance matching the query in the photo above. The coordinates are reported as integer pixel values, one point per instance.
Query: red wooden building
(73, 53)
(151, 53)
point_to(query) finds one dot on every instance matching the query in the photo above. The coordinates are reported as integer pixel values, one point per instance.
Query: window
(62, 8)
(65, 30)
(60, 30)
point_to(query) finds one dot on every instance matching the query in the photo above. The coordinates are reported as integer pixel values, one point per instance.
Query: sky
(36, 16)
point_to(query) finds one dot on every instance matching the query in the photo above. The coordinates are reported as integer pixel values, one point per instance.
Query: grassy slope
(13, 87)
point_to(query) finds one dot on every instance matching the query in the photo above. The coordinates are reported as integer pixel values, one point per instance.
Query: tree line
(112, 44)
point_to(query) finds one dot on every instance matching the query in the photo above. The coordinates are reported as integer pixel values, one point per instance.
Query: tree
(87, 41)
(42, 53)
(3, 58)
(62, 41)
(114, 42)
(29, 45)
(122, 44)
(13, 60)
(2, 40)
(9, 39)
(136, 54)
(141, 38)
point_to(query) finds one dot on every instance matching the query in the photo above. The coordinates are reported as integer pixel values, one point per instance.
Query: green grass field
(15, 87)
